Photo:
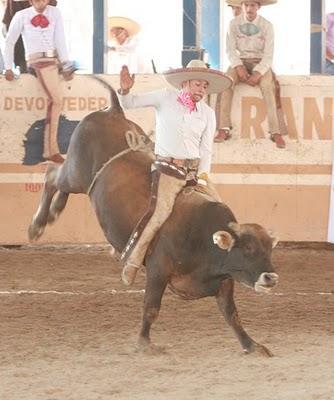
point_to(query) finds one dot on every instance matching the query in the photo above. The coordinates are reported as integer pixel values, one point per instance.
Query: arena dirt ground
(68, 330)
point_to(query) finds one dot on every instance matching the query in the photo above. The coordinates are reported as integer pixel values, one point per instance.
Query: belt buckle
(179, 163)
(49, 53)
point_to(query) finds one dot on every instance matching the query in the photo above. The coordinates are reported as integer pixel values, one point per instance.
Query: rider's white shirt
(36, 39)
(179, 133)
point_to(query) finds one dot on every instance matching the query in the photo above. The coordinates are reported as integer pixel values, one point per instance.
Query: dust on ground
(68, 330)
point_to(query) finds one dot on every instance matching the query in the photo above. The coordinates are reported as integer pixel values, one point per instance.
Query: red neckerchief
(185, 99)
(40, 20)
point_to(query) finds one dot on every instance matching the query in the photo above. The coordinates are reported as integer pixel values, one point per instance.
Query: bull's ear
(235, 227)
(223, 239)
(274, 239)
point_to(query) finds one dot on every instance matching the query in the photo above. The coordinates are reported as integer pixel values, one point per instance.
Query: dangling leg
(223, 110)
(267, 87)
(48, 76)
(165, 188)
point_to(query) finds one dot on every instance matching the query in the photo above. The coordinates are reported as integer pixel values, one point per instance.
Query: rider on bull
(185, 128)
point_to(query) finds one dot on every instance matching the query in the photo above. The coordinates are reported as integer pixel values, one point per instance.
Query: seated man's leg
(223, 109)
(329, 69)
(165, 189)
(267, 86)
(50, 81)
(283, 129)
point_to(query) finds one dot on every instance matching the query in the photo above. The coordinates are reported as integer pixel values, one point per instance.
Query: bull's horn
(235, 227)
(274, 239)
(223, 239)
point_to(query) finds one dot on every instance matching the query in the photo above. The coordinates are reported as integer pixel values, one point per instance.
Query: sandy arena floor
(68, 330)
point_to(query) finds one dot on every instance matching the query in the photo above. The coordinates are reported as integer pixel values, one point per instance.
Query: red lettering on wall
(33, 187)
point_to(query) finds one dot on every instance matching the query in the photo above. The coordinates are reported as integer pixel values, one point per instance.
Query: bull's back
(189, 230)
(97, 138)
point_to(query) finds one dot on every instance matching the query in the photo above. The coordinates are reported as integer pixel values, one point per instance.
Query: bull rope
(135, 141)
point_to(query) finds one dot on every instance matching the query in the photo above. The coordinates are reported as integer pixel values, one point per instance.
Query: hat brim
(129, 24)
(233, 3)
(217, 80)
(262, 2)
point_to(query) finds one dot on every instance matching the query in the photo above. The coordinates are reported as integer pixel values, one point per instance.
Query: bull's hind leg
(227, 306)
(57, 206)
(41, 216)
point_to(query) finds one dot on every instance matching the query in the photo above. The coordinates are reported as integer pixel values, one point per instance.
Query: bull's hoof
(35, 232)
(259, 348)
(151, 349)
(52, 216)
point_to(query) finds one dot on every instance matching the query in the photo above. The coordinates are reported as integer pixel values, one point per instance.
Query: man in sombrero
(185, 127)
(250, 47)
(124, 46)
(236, 8)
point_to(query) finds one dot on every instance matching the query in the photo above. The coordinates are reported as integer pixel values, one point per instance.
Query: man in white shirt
(185, 127)
(250, 46)
(43, 36)
(124, 47)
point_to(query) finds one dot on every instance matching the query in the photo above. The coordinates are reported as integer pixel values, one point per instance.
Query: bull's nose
(269, 278)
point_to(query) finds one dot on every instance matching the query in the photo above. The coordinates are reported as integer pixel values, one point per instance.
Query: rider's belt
(42, 54)
(251, 60)
(187, 163)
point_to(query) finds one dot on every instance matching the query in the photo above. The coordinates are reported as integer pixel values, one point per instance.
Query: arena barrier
(286, 190)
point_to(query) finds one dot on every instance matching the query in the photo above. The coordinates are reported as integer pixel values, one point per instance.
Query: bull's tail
(115, 105)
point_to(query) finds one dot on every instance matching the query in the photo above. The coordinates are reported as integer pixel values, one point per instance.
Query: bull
(199, 251)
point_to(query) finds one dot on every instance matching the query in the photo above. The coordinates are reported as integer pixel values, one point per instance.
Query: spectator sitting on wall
(12, 7)
(250, 44)
(44, 39)
(124, 46)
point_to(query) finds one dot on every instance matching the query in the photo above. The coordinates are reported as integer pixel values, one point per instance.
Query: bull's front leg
(227, 306)
(155, 286)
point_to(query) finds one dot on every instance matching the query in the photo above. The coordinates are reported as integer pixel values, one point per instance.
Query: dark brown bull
(198, 252)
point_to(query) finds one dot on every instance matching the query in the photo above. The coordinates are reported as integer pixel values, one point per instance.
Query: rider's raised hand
(126, 80)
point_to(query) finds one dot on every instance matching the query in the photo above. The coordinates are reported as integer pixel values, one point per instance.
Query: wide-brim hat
(197, 69)
(233, 3)
(129, 24)
(262, 2)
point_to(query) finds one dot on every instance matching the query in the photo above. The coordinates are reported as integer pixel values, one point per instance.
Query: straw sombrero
(233, 3)
(197, 69)
(262, 2)
(129, 24)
